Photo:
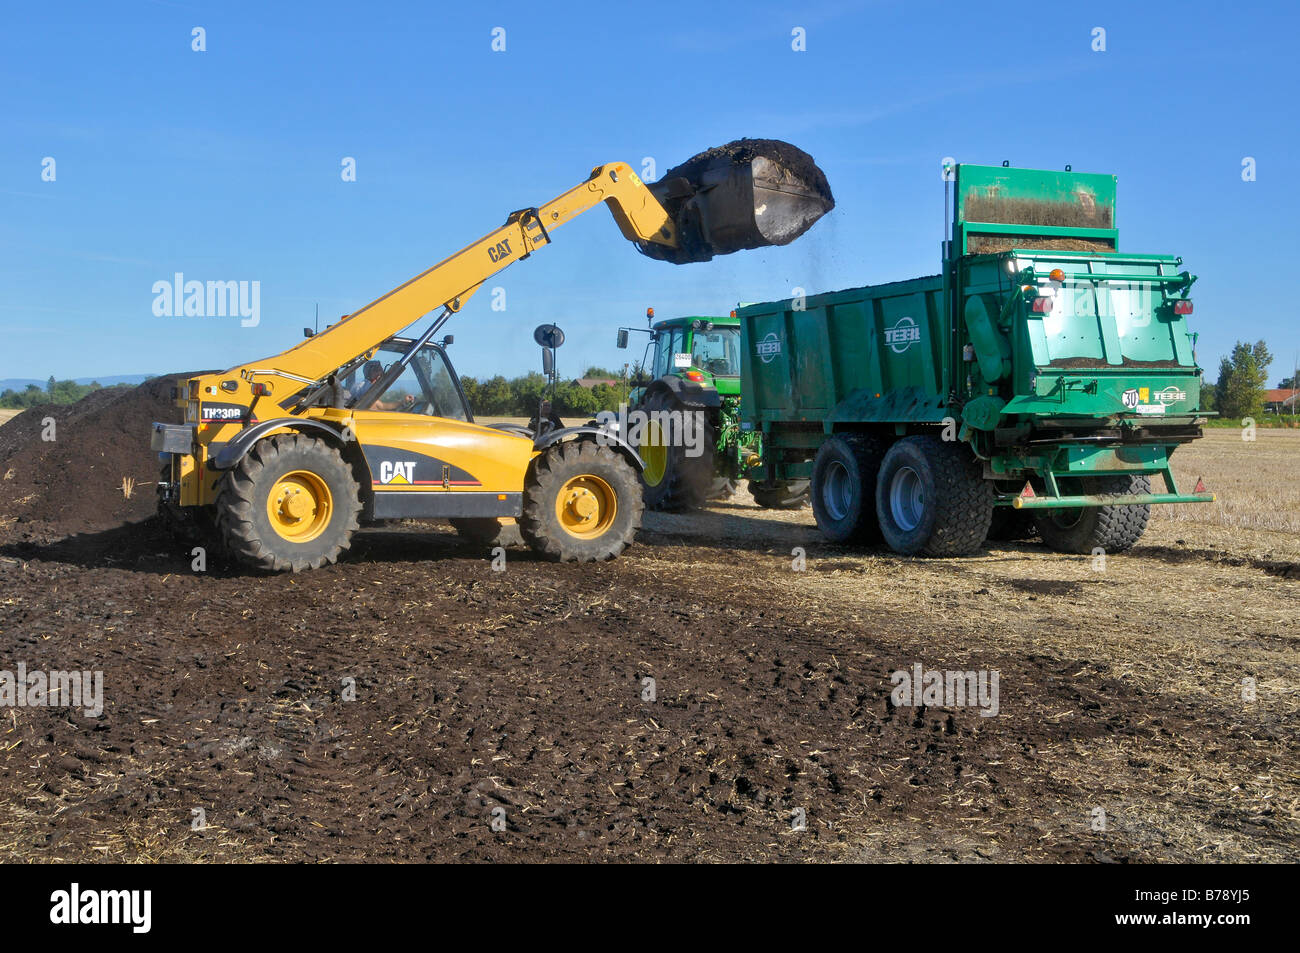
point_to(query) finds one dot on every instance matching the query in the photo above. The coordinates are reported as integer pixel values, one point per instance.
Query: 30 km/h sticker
(1130, 398)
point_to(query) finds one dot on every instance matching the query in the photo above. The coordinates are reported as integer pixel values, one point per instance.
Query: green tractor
(690, 435)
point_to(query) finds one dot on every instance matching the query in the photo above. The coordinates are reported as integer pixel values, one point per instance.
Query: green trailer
(1036, 385)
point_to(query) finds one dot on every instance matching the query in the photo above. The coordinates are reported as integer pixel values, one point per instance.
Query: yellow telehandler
(283, 457)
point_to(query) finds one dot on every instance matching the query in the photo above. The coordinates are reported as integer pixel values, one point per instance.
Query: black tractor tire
(488, 531)
(680, 481)
(1111, 529)
(788, 495)
(318, 512)
(1010, 524)
(932, 499)
(582, 502)
(844, 488)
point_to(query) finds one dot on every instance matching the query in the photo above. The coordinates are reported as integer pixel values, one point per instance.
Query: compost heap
(74, 483)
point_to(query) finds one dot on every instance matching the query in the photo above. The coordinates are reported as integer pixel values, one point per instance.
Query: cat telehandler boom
(283, 457)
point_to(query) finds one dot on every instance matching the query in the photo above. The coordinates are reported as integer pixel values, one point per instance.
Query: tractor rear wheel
(488, 531)
(582, 502)
(788, 495)
(291, 504)
(1111, 529)
(932, 499)
(844, 488)
(673, 479)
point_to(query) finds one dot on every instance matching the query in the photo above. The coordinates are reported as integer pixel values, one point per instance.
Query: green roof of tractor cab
(686, 321)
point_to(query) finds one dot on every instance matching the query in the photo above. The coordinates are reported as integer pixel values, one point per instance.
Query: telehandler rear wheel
(291, 504)
(582, 502)
(1112, 529)
(931, 498)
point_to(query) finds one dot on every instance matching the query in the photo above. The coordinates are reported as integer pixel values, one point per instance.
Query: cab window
(717, 351)
(425, 386)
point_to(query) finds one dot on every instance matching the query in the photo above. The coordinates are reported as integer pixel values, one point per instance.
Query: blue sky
(225, 164)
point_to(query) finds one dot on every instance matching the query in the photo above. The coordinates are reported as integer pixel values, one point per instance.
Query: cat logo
(397, 471)
(500, 250)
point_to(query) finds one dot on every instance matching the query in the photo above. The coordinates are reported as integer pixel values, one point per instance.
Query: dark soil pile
(993, 244)
(793, 159)
(74, 483)
(1081, 214)
(719, 208)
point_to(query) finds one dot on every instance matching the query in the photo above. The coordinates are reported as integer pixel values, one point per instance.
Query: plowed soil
(401, 704)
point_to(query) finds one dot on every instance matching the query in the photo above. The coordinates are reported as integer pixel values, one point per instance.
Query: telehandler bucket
(747, 194)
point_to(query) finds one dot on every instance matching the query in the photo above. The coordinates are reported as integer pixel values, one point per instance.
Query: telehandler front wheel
(291, 504)
(582, 502)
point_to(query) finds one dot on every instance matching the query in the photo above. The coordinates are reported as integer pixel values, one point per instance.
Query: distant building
(590, 382)
(1280, 400)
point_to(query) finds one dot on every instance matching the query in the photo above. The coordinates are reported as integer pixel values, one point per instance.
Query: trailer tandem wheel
(931, 498)
(844, 487)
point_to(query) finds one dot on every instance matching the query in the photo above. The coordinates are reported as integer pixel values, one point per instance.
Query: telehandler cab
(283, 457)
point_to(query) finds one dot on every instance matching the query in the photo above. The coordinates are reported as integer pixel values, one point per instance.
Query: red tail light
(694, 376)
(1182, 307)
(1042, 305)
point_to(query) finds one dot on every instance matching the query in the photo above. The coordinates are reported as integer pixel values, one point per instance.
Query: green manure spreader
(1035, 386)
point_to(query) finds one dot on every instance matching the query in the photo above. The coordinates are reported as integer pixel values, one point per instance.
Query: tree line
(518, 396)
(1243, 379)
(54, 392)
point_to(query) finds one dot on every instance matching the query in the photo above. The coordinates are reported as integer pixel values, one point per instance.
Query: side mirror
(622, 337)
(548, 362)
(308, 332)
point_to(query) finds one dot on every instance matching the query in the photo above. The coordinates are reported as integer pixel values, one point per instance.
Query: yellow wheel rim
(300, 506)
(654, 453)
(586, 506)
